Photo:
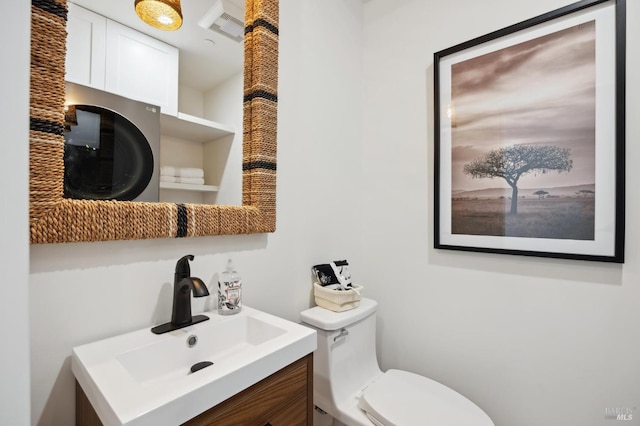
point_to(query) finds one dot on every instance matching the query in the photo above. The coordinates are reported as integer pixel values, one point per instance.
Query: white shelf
(193, 128)
(188, 187)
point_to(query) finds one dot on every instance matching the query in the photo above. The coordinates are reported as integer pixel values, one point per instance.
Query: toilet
(351, 388)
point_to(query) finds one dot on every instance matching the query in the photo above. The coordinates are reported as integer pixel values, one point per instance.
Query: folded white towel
(187, 172)
(191, 180)
(167, 171)
(176, 179)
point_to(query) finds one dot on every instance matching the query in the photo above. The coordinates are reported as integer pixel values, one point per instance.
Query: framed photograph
(529, 137)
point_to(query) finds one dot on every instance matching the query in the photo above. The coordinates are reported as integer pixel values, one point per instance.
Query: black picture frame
(529, 147)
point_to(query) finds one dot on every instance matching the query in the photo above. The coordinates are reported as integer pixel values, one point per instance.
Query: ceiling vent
(225, 18)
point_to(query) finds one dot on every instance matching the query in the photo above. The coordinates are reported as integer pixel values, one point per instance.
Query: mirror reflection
(106, 157)
(192, 76)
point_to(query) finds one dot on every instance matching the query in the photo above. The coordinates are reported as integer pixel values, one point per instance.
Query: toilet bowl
(349, 385)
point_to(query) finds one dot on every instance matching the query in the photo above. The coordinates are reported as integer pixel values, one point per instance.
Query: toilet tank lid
(324, 319)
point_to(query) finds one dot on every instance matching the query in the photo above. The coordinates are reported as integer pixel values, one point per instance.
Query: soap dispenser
(229, 291)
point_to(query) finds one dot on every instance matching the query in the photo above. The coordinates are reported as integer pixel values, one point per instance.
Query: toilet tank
(345, 361)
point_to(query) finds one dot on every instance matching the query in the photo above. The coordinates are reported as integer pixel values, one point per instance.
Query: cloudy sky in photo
(541, 91)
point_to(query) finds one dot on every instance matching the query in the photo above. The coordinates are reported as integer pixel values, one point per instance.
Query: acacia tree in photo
(541, 194)
(585, 192)
(515, 161)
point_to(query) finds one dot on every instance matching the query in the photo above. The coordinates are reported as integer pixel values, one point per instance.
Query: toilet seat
(401, 398)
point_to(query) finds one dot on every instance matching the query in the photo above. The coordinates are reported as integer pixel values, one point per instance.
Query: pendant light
(162, 14)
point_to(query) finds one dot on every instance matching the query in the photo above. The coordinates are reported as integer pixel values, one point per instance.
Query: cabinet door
(295, 414)
(141, 68)
(85, 47)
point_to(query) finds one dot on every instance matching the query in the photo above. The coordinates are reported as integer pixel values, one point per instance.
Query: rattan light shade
(162, 14)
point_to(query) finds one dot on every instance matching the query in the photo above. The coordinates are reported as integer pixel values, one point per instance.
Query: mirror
(54, 219)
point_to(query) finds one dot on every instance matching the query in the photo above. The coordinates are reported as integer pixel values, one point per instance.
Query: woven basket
(337, 300)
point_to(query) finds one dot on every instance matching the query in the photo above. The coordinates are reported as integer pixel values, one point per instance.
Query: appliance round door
(106, 157)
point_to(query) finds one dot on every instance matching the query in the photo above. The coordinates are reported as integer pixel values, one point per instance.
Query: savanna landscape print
(523, 139)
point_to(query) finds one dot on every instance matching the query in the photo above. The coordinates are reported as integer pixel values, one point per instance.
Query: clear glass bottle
(229, 291)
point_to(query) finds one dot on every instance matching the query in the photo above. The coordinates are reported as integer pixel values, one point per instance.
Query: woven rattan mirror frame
(55, 219)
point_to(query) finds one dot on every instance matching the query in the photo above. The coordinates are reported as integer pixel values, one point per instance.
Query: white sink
(141, 378)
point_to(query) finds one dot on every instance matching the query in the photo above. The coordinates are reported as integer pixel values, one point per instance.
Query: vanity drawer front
(280, 399)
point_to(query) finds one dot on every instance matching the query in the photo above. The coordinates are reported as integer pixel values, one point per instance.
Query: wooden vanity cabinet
(283, 399)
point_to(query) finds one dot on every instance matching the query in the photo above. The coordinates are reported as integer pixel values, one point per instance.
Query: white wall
(532, 341)
(14, 219)
(83, 292)
(190, 101)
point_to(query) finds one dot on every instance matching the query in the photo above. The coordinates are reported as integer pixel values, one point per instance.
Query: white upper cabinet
(86, 44)
(106, 55)
(141, 68)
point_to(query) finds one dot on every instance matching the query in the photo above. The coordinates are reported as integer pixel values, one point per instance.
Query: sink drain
(192, 340)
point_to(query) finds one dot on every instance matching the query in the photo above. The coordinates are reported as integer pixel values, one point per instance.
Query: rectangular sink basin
(173, 358)
(141, 378)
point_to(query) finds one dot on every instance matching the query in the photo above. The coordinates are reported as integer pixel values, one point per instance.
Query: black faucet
(183, 283)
